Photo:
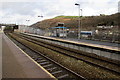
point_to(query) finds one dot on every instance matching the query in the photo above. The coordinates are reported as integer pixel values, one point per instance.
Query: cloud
(119, 6)
(19, 10)
(23, 8)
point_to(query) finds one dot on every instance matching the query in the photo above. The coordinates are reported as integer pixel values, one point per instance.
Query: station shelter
(60, 31)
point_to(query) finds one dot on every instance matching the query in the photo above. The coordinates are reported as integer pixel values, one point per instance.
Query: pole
(80, 24)
(40, 24)
(79, 36)
(27, 25)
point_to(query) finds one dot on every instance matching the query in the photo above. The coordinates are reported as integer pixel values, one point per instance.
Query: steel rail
(98, 65)
(80, 77)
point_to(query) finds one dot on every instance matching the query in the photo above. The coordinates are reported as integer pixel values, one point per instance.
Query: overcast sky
(18, 11)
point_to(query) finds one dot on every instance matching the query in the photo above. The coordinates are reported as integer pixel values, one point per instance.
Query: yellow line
(32, 59)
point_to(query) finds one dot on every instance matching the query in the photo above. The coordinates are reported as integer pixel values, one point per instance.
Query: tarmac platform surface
(0, 54)
(15, 64)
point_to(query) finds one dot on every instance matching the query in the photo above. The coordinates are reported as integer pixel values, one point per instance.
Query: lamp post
(27, 22)
(79, 21)
(41, 17)
(27, 25)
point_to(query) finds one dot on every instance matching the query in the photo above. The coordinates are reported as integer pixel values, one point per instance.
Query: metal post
(79, 35)
(27, 25)
(41, 17)
(80, 24)
(63, 32)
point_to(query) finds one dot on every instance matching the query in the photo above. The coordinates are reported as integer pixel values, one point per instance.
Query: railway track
(56, 69)
(114, 68)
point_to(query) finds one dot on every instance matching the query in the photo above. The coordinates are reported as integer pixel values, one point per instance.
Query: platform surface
(15, 64)
(0, 54)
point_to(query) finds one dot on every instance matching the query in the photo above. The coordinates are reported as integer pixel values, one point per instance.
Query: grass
(67, 17)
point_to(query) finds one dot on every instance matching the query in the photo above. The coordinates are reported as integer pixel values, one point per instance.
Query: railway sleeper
(63, 76)
(43, 63)
(47, 65)
(56, 72)
(50, 69)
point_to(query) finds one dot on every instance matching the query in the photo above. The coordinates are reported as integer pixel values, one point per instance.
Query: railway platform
(0, 54)
(103, 49)
(17, 64)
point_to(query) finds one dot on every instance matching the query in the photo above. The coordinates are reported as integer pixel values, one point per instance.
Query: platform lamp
(79, 21)
(27, 23)
(40, 16)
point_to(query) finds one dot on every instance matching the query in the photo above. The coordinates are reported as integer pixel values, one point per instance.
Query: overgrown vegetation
(88, 22)
(66, 17)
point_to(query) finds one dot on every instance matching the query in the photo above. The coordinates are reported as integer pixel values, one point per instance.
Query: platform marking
(31, 59)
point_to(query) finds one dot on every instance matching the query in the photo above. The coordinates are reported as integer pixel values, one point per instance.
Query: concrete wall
(114, 56)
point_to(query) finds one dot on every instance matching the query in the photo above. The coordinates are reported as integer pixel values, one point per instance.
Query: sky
(27, 11)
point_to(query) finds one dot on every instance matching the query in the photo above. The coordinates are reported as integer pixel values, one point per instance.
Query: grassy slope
(88, 22)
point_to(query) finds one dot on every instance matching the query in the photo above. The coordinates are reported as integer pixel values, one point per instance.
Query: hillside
(88, 22)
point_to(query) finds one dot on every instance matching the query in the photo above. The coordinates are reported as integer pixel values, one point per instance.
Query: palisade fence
(109, 36)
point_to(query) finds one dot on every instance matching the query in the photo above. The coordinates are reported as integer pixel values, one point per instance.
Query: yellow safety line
(32, 59)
